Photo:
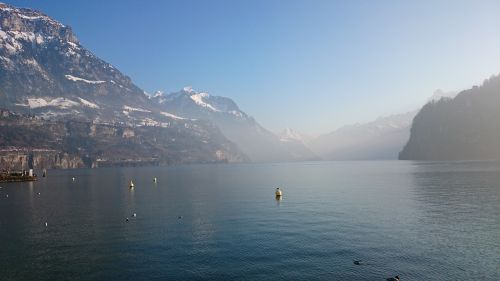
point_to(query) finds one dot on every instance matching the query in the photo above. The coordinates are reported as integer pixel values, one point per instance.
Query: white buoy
(46, 224)
(155, 180)
(278, 192)
(73, 178)
(134, 215)
(131, 185)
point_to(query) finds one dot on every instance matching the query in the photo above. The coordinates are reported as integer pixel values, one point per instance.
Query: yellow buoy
(278, 192)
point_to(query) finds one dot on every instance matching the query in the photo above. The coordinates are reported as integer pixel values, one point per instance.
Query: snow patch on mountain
(78, 79)
(130, 108)
(236, 113)
(88, 103)
(28, 14)
(171, 115)
(44, 102)
(199, 99)
(289, 135)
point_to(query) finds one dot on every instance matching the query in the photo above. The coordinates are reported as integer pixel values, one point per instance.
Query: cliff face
(466, 127)
(74, 144)
(17, 159)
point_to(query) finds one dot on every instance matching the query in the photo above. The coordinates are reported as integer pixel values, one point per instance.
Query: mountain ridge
(465, 127)
(380, 139)
(258, 143)
(46, 73)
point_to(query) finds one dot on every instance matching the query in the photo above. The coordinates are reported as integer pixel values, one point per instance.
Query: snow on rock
(129, 108)
(28, 14)
(198, 99)
(78, 79)
(30, 17)
(236, 113)
(188, 89)
(57, 102)
(88, 103)
(171, 115)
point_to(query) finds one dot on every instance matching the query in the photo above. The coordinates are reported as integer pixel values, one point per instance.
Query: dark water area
(418, 220)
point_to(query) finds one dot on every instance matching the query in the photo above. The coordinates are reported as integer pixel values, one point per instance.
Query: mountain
(289, 134)
(259, 144)
(74, 144)
(380, 139)
(466, 127)
(45, 72)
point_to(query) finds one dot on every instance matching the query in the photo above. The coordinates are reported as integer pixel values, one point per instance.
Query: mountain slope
(466, 127)
(94, 145)
(380, 139)
(45, 72)
(259, 144)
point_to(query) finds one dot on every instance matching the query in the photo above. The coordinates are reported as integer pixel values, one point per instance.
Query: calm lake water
(419, 220)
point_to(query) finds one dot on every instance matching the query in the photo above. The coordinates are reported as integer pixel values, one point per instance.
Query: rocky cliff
(71, 144)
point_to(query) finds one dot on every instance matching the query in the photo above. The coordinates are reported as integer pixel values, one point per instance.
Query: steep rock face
(70, 144)
(259, 144)
(381, 139)
(466, 127)
(18, 159)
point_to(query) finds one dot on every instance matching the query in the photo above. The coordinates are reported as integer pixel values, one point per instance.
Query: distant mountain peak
(439, 94)
(188, 89)
(191, 102)
(29, 22)
(289, 134)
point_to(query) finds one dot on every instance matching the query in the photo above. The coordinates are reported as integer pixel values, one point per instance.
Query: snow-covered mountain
(380, 139)
(46, 72)
(259, 144)
(290, 134)
(188, 103)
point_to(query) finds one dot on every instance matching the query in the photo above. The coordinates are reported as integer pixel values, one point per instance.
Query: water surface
(420, 220)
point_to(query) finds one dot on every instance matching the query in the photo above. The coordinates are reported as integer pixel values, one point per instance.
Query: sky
(309, 65)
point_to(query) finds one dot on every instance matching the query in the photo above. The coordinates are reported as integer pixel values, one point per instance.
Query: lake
(418, 220)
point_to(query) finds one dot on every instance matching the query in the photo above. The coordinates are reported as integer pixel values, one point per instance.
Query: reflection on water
(419, 220)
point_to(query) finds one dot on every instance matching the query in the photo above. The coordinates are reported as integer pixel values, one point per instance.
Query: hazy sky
(309, 65)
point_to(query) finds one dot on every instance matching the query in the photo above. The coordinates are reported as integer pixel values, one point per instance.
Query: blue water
(418, 220)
